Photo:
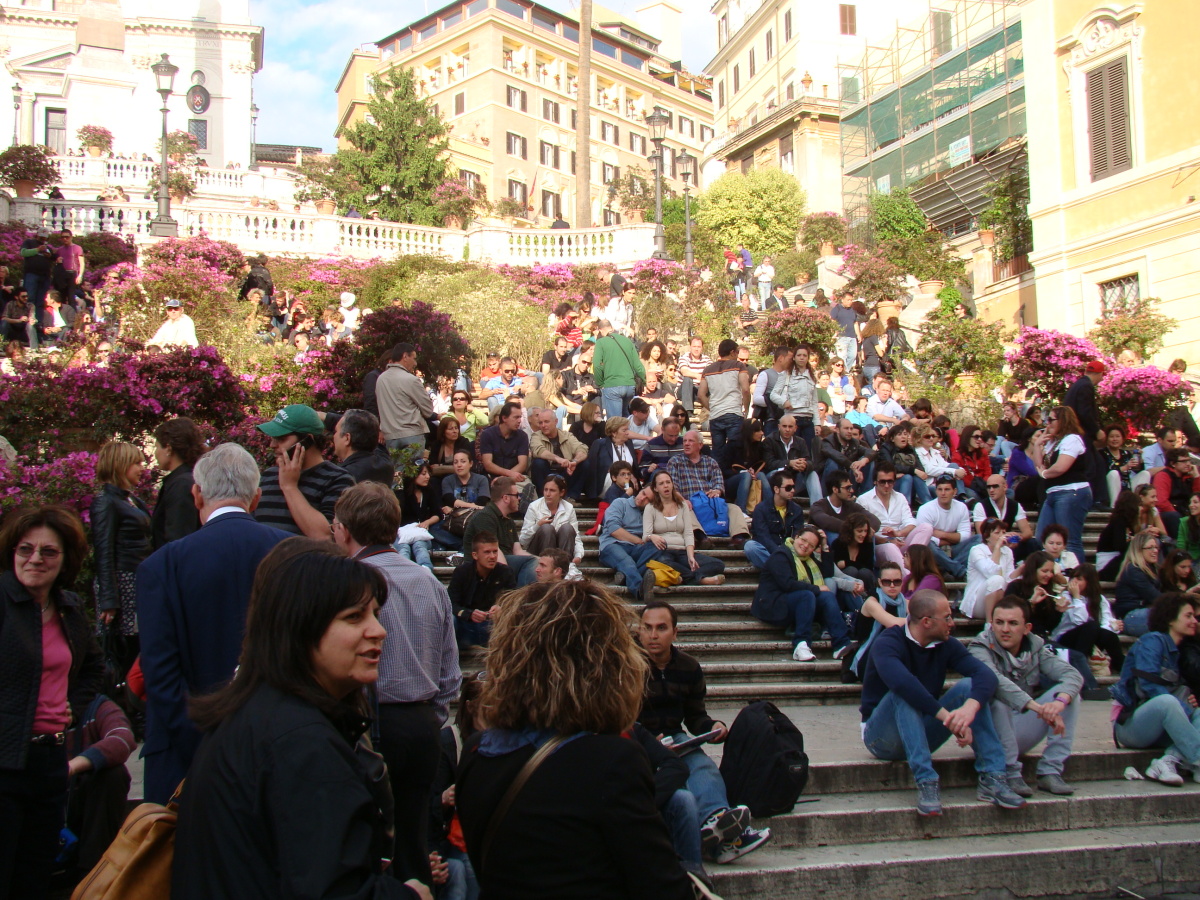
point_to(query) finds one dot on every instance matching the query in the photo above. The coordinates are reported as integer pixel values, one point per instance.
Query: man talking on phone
(299, 491)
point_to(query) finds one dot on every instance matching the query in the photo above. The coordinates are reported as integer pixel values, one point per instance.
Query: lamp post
(16, 89)
(657, 123)
(163, 225)
(253, 135)
(687, 166)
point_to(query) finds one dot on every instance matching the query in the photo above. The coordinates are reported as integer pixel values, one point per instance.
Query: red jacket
(978, 465)
(1173, 491)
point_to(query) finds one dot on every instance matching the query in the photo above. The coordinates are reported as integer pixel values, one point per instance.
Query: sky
(307, 43)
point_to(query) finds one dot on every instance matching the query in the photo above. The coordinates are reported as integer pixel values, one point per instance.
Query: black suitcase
(764, 764)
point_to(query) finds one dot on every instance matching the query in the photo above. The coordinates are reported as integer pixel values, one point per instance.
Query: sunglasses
(890, 582)
(510, 371)
(788, 488)
(463, 399)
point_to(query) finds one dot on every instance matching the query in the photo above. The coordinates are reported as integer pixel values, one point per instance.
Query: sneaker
(1017, 785)
(1163, 770)
(841, 651)
(802, 653)
(749, 841)
(647, 591)
(617, 579)
(993, 788)
(722, 828)
(929, 798)
(1054, 784)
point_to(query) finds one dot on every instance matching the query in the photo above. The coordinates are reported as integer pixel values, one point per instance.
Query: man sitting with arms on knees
(556, 452)
(622, 546)
(950, 519)
(772, 523)
(693, 472)
(905, 715)
(789, 452)
(552, 565)
(1027, 667)
(674, 698)
(475, 588)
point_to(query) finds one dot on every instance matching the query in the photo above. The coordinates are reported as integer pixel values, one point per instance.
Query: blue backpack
(711, 514)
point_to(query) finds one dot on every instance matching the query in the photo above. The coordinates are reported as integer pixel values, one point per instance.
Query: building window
(460, 103)
(1109, 139)
(551, 111)
(518, 191)
(427, 32)
(791, 91)
(511, 7)
(787, 158)
(770, 46)
(609, 173)
(572, 162)
(706, 133)
(475, 6)
(550, 155)
(751, 65)
(56, 131)
(574, 119)
(452, 19)
(545, 20)
(1119, 296)
(722, 30)
(517, 98)
(551, 204)
(470, 179)
(637, 144)
(748, 164)
(850, 89)
(518, 146)
(570, 32)
(787, 26)
(604, 47)
(720, 95)
(848, 18)
(198, 128)
(609, 133)
(943, 32)
(687, 127)
(612, 217)
(737, 79)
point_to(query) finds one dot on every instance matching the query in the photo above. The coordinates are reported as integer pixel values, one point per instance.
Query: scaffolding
(944, 94)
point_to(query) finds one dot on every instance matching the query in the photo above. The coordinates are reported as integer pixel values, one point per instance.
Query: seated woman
(923, 571)
(421, 505)
(853, 551)
(550, 521)
(1054, 542)
(613, 447)
(1188, 538)
(313, 642)
(746, 463)
(669, 524)
(1114, 539)
(1120, 462)
(1176, 573)
(859, 416)
(470, 421)
(972, 455)
(654, 358)
(1153, 709)
(883, 609)
(1138, 585)
(446, 443)
(929, 459)
(1035, 582)
(897, 448)
(588, 429)
(1021, 476)
(1088, 622)
(792, 591)
(1149, 518)
(989, 566)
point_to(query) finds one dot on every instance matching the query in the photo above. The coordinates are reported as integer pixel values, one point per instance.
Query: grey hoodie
(1020, 675)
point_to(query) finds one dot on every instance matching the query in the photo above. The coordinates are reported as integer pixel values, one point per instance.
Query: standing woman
(1061, 458)
(178, 444)
(52, 670)
(796, 393)
(121, 539)
(873, 347)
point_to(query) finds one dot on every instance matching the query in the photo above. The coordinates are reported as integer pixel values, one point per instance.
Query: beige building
(504, 77)
(1114, 153)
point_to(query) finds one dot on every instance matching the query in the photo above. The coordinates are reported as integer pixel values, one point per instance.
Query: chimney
(664, 20)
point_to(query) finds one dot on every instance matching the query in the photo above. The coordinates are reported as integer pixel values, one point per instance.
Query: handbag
(712, 514)
(456, 522)
(755, 495)
(664, 576)
(137, 864)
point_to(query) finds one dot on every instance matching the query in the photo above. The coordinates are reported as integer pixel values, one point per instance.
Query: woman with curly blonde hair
(565, 681)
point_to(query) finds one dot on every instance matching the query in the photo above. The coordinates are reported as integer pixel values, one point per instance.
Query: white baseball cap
(348, 299)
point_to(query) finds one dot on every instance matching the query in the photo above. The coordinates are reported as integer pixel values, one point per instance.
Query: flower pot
(636, 215)
(987, 236)
(23, 188)
(886, 309)
(967, 385)
(931, 287)
(93, 150)
(325, 207)
(827, 248)
(452, 222)
(177, 199)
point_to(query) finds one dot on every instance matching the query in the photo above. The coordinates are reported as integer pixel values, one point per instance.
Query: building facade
(1114, 156)
(87, 62)
(504, 76)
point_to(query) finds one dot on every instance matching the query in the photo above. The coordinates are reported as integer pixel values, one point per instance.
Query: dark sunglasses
(885, 480)
(891, 582)
(787, 488)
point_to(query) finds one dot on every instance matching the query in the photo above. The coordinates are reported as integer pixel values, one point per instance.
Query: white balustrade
(366, 238)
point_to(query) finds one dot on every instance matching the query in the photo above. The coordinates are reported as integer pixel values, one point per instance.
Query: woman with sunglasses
(972, 455)
(470, 421)
(841, 387)
(1061, 458)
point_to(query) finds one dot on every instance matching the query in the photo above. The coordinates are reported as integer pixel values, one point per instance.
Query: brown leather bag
(137, 865)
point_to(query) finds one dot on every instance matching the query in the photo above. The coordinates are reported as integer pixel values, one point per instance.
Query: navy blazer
(192, 596)
(779, 578)
(769, 529)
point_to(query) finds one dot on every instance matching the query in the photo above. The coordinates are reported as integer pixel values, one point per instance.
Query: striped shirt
(321, 486)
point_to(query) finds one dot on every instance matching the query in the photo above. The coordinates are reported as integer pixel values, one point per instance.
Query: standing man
(623, 548)
(1081, 397)
(616, 367)
(764, 275)
(178, 331)
(192, 595)
(764, 407)
(70, 257)
(844, 314)
(953, 537)
(405, 407)
(356, 447)
(747, 266)
(495, 519)
(418, 671)
(725, 390)
(38, 257)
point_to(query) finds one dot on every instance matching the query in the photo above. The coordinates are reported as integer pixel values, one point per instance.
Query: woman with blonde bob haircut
(565, 681)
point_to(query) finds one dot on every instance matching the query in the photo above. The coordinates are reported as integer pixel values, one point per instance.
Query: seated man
(996, 505)
(474, 588)
(504, 387)
(554, 451)
(898, 530)
(772, 523)
(839, 504)
(659, 451)
(622, 546)
(1027, 667)
(884, 409)
(552, 565)
(788, 451)
(693, 472)
(676, 804)
(906, 715)
(643, 423)
(953, 537)
(843, 451)
(675, 698)
(504, 447)
(99, 746)
(495, 519)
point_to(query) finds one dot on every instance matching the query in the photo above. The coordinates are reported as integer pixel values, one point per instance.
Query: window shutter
(524, 101)
(1108, 119)
(616, 135)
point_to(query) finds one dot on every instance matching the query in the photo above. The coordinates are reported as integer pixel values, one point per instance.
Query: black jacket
(1135, 589)
(831, 450)
(470, 592)
(670, 771)
(279, 804)
(374, 465)
(175, 513)
(1081, 397)
(121, 530)
(21, 664)
(777, 457)
(675, 697)
(258, 277)
(769, 528)
(904, 459)
(779, 578)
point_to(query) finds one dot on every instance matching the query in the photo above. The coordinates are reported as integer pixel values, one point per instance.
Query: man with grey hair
(356, 446)
(191, 598)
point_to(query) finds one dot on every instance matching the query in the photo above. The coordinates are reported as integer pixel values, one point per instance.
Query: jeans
(764, 293)
(805, 605)
(37, 286)
(896, 731)
(468, 633)
(869, 373)
(954, 563)
(847, 349)
(1137, 622)
(444, 539)
(32, 803)
(415, 440)
(704, 781)
(1160, 720)
(678, 560)
(522, 567)
(630, 560)
(757, 554)
(1068, 508)
(683, 821)
(860, 487)
(540, 469)
(809, 480)
(615, 400)
(461, 883)
(726, 434)
(913, 489)
(1020, 732)
(737, 487)
(416, 551)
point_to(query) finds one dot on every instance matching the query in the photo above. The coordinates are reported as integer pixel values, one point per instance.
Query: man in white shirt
(178, 331)
(898, 530)
(952, 538)
(883, 409)
(643, 423)
(1019, 533)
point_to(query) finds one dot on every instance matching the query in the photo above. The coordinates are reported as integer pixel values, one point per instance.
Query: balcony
(1018, 265)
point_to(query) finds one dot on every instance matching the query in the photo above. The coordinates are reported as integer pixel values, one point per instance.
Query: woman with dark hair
(52, 672)
(1188, 538)
(1176, 575)
(989, 566)
(178, 445)
(853, 551)
(1035, 583)
(1119, 461)
(1088, 622)
(1155, 707)
(923, 572)
(421, 505)
(679, 413)
(1114, 539)
(796, 392)
(1137, 583)
(654, 358)
(1061, 457)
(897, 448)
(973, 456)
(746, 463)
(1149, 519)
(447, 441)
(470, 421)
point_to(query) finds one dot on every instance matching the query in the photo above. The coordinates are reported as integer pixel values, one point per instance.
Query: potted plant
(873, 277)
(822, 232)
(509, 208)
(951, 348)
(95, 138)
(926, 258)
(318, 184)
(457, 203)
(1137, 327)
(797, 325)
(28, 168)
(635, 193)
(1007, 217)
(181, 145)
(180, 184)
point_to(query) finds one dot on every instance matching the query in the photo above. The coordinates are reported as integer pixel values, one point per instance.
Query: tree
(896, 216)
(397, 156)
(583, 122)
(761, 210)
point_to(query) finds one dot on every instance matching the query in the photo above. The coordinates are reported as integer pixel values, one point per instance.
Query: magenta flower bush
(549, 284)
(1044, 362)
(658, 275)
(1142, 397)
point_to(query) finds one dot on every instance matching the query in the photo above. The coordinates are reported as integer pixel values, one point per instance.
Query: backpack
(137, 865)
(764, 765)
(712, 514)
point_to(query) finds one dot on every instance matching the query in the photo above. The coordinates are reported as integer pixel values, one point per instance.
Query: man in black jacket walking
(1081, 397)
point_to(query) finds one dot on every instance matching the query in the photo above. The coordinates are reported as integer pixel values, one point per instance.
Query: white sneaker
(803, 654)
(1163, 771)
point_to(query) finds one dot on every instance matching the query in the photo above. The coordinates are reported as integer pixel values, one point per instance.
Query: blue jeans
(1161, 721)
(1137, 622)
(444, 539)
(462, 883)
(704, 781)
(757, 553)
(630, 560)
(954, 563)
(809, 480)
(615, 400)
(468, 633)
(726, 434)
(847, 349)
(522, 567)
(860, 487)
(805, 605)
(417, 551)
(683, 821)
(1068, 508)
(896, 731)
(36, 287)
(764, 293)
(913, 488)
(737, 487)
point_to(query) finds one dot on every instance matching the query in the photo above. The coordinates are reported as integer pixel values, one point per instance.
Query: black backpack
(764, 764)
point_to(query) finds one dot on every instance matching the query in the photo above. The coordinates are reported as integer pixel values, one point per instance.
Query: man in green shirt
(615, 367)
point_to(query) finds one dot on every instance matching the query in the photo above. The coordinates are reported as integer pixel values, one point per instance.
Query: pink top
(70, 254)
(52, 713)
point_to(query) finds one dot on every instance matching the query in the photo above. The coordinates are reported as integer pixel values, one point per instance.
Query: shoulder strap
(511, 794)
(625, 353)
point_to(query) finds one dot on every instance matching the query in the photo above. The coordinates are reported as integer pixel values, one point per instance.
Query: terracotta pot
(94, 150)
(967, 385)
(325, 207)
(636, 215)
(23, 188)
(987, 237)
(452, 222)
(885, 309)
(931, 287)
(827, 248)
(177, 199)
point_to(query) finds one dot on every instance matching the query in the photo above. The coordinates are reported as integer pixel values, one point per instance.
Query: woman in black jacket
(121, 532)
(283, 799)
(420, 505)
(178, 444)
(584, 825)
(1138, 585)
(1114, 539)
(50, 670)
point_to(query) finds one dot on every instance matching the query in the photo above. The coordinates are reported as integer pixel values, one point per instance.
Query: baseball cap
(172, 303)
(294, 419)
(1096, 366)
(348, 299)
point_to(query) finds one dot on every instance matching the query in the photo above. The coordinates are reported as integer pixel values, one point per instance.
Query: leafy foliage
(454, 199)
(872, 275)
(795, 326)
(926, 257)
(706, 249)
(896, 215)
(822, 227)
(1008, 214)
(180, 143)
(761, 210)
(950, 347)
(1142, 396)
(103, 250)
(795, 267)
(321, 178)
(635, 191)
(95, 136)
(1139, 328)
(27, 162)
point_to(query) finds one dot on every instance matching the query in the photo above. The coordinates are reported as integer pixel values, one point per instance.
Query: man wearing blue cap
(299, 491)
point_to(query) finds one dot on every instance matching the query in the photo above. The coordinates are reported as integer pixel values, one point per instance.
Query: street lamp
(254, 135)
(16, 89)
(657, 123)
(687, 166)
(163, 225)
